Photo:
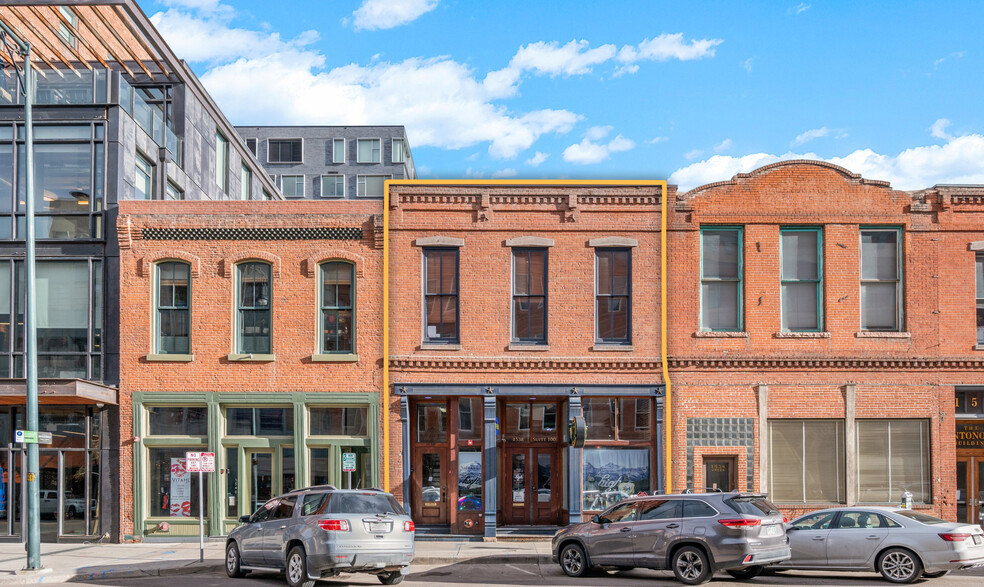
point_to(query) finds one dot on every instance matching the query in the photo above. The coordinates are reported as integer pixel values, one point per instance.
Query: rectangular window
(339, 421)
(337, 307)
(612, 474)
(980, 298)
(292, 186)
(368, 151)
(253, 300)
(721, 279)
(68, 25)
(613, 290)
(881, 279)
(143, 178)
(222, 162)
(173, 192)
(245, 183)
(173, 308)
(178, 421)
(259, 421)
(801, 255)
(399, 156)
(807, 461)
(893, 456)
(611, 419)
(441, 295)
(530, 295)
(372, 186)
(338, 151)
(171, 494)
(332, 186)
(251, 145)
(284, 151)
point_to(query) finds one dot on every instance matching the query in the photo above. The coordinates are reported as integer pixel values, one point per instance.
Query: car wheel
(297, 575)
(573, 560)
(391, 578)
(233, 560)
(71, 512)
(690, 566)
(746, 573)
(899, 565)
(935, 575)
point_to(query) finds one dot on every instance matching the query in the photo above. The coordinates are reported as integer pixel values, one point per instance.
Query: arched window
(253, 308)
(173, 320)
(337, 307)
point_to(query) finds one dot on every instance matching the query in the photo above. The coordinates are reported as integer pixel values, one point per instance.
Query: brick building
(275, 366)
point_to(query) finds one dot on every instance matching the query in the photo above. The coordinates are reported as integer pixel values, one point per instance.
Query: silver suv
(693, 535)
(321, 532)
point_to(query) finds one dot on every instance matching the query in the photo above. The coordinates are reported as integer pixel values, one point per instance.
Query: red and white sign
(200, 462)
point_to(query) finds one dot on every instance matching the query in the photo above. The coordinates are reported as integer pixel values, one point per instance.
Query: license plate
(978, 539)
(379, 527)
(771, 530)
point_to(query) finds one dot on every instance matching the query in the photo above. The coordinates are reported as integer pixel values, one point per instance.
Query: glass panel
(824, 454)
(372, 185)
(470, 418)
(800, 255)
(232, 481)
(178, 421)
(171, 494)
(339, 421)
(7, 178)
(634, 418)
(261, 479)
(321, 473)
(787, 460)
(6, 328)
(260, 421)
(360, 478)
(470, 479)
(879, 306)
(143, 178)
(544, 465)
(430, 477)
(599, 418)
(620, 273)
(398, 151)
(73, 493)
(63, 307)
(893, 456)
(879, 254)
(521, 273)
(48, 485)
(980, 322)
(432, 270)
(287, 479)
(518, 479)
(432, 424)
(62, 177)
(517, 423)
(720, 254)
(449, 317)
(979, 265)
(980, 485)
(719, 305)
(245, 183)
(333, 186)
(799, 306)
(66, 425)
(60, 227)
(221, 161)
(368, 150)
(173, 313)
(604, 270)
(544, 423)
(338, 151)
(612, 474)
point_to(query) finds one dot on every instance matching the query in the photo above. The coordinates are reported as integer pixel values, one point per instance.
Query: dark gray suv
(693, 535)
(321, 532)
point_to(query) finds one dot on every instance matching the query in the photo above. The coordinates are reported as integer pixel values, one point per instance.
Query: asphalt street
(528, 574)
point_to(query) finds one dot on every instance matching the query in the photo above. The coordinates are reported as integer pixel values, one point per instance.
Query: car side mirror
(244, 519)
(596, 519)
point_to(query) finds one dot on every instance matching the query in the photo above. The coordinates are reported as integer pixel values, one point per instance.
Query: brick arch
(228, 263)
(311, 264)
(736, 179)
(144, 263)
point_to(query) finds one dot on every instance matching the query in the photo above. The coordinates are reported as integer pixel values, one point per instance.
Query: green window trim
(818, 281)
(336, 311)
(173, 309)
(899, 281)
(740, 305)
(254, 308)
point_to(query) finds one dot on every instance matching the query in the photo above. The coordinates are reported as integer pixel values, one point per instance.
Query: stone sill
(719, 334)
(430, 346)
(879, 334)
(250, 358)
(613, 348)
(165, 358)
(533, 348)
(979, 347)
(801, 335)
(335, 358)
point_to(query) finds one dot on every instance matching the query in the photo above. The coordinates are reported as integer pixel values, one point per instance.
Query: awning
(58, 392)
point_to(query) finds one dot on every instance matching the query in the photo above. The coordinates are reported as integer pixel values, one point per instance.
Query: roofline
(319, 125)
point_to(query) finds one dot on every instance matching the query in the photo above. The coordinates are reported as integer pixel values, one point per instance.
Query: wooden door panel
(429, 484)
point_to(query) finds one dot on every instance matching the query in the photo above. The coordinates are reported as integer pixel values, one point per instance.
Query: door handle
(626, 529)
(673, 525)
(873, 537)
(283, 527)
(818, 537)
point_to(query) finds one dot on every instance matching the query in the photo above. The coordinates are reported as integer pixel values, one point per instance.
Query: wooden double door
(970, 486)
(531, 485)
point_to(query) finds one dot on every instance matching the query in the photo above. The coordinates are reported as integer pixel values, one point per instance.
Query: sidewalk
(117, 561)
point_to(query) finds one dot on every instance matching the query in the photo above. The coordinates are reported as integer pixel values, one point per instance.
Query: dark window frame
(159, 309)
(326, 309)
(441, 296)
(627, 340)
(979, 286)
(529, 251)
(295, 148)
(241, 308)
(740, 305)
(818, 282)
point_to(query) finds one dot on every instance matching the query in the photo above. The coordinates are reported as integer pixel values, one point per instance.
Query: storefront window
(470, 418)
(178, 421)
(339, 421)
(807, 461)
(320, 466)
(893, 456)
(171, 492)
(432, 422)
(287, 469)
(232, 482)
(613, 474)
(470, 479)
(517, 423)
(260, 421)
(599, 417)
(634, 418)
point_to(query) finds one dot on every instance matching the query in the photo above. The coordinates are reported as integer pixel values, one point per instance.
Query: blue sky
(691, 92)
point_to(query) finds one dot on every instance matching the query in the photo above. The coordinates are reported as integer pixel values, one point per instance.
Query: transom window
(352, 421)
(173, 308)
(441, 295)
(368, 151)
(613, 295)
(721, 279)
(801, 289)
(530, 295)
(273, 421)
(254, 312)
(284, 151)
(337, 307)
(881, 279)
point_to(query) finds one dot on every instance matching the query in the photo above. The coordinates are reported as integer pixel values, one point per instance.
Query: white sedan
(901, 544)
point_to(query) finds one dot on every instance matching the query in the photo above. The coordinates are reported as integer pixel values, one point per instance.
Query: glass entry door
(970, 488)
(429, 484)
(260, 478)
(533, 488)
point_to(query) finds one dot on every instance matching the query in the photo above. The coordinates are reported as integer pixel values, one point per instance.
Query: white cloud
(938, 129)
(589, 150)
(668, 46)
(960, 160)
(722, 146)
(507, 172)
(747, 64)
(207, 6)
(655, 140)
(954, 55)
(574, 58)
(816, 133)
(693, 154)
(387, 14)
(537, 159)
(803, 7)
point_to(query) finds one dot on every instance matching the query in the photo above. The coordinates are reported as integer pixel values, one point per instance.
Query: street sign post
(28, 436)
(348, 466)
(201, 463)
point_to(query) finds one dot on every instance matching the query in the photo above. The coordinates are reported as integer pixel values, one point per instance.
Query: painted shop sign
(970, 434)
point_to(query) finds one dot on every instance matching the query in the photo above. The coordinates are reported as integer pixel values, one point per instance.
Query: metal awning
(58, 392)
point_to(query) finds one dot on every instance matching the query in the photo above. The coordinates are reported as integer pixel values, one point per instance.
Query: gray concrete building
(343, 162)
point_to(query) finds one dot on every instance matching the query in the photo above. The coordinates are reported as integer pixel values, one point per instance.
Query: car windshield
(921, 518)
(364, 503)
(752, 506)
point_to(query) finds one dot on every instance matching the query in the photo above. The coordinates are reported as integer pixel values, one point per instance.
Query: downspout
(667, 395)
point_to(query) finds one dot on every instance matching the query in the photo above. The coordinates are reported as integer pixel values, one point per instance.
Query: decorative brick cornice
(438, 363)
(254, 234)
(850, 364)
(737, 179)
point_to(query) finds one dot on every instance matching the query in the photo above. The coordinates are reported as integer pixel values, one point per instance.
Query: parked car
(901, 544)
(321, 532)
(74, 506)
(693, 535)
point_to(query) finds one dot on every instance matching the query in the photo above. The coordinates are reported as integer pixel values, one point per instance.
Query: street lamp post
(12, 44)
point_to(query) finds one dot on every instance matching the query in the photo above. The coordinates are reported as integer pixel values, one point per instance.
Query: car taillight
(785, 520)
(408, 526)
(955, 536)
(334, 525)
(739, 523)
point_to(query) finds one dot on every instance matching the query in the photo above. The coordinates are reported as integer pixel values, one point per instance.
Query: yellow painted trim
(542, 182)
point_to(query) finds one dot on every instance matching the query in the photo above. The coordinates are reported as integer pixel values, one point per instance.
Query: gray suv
(321, 532)
(693, 535)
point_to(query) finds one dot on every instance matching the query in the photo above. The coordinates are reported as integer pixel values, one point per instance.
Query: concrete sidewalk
(74, 562)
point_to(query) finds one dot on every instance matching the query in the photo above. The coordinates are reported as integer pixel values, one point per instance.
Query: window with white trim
(399, 153)
(368, 151)
(338, 151)
(332, 186)
(372, 186)
(292, 186)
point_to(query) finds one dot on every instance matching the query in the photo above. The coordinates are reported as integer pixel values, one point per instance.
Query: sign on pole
(348, 466)
(201, 463)
(26, 436)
